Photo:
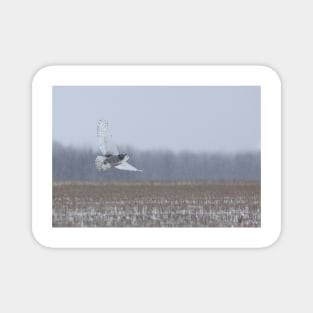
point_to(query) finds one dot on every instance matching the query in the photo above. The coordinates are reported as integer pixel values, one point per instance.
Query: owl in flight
(111, 157)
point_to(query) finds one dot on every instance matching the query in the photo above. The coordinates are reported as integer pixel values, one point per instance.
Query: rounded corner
(273, 240)
(272, 73)
(41, 72)
(38, 240)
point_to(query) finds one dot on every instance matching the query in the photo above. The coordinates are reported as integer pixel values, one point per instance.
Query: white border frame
(56, 237)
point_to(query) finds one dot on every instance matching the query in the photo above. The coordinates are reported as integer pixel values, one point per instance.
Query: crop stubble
(157, 204)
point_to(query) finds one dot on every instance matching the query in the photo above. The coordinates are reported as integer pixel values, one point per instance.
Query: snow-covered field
(157, 204)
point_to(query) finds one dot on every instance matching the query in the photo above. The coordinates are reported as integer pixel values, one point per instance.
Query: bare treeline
(72, 163)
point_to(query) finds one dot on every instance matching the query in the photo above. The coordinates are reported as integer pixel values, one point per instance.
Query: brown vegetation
(157, 204)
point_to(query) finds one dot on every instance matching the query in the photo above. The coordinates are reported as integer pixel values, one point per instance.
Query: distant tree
(72, 163)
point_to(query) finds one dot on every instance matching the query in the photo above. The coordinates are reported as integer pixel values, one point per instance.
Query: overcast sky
(224, 119)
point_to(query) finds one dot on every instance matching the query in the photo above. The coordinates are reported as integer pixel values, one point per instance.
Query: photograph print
(156, 156)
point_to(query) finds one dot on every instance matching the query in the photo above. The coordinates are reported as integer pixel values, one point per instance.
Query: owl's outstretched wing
(127, 167)
(106, 144)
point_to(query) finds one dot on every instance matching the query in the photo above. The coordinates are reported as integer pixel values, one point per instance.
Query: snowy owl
(111, 157)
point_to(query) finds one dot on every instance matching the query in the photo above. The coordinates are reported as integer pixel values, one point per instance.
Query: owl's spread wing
(127, 167)
(106, 144)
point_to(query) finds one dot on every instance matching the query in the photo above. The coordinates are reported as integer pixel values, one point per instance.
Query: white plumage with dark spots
(111, 156)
